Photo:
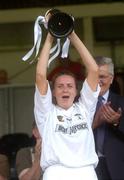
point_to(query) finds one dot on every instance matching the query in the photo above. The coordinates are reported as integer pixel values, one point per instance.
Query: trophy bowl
(60, 24)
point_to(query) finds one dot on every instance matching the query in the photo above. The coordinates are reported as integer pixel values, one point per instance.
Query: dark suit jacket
(114, 141)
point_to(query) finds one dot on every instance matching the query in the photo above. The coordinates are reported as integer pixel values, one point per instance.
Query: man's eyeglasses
(104, 76)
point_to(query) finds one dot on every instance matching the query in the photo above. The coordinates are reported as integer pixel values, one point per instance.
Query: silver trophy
(59, 24)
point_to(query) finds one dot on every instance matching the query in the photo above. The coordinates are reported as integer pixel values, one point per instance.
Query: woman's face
(65, 91)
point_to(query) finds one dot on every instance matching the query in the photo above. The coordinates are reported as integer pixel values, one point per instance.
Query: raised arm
(41, 69)
(87, 60)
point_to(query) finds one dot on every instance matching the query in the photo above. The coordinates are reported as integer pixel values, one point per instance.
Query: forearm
(85, 55)
(44, 56)
(41, 69)
(87, 60)
(34, 173)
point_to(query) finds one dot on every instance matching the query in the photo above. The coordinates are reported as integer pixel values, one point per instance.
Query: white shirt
(67, 137)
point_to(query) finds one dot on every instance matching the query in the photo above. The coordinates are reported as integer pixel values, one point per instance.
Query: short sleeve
(88, 98)
(42, 105)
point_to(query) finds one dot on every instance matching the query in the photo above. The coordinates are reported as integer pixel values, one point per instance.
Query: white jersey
(67, 136)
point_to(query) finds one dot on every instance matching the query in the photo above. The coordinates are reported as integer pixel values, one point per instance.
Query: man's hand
(109, 115)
